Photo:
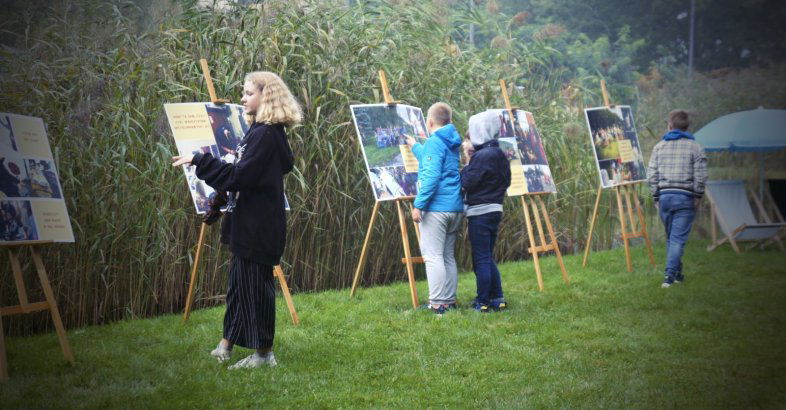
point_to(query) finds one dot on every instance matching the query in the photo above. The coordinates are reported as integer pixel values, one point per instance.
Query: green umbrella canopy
(758, 130)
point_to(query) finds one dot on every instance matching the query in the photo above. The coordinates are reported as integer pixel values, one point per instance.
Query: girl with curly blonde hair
(255, 226)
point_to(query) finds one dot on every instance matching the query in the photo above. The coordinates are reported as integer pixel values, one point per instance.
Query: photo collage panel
(382, 130)
(615, 145)
(208, 129)
(522, 144)
(32, 206)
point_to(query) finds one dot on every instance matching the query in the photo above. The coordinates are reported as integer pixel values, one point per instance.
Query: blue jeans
(482, 237)
(677, 212)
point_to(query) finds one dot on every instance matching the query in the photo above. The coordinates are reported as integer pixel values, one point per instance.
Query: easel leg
(18, 279)
(592, 226)
(408, 255)
(194, 269)
(50, 299)
(532, 244)
(643, 223)
(554, 242)
(626, 194)
(282, 281)
(3, 359)
(362, 261)
(621, 212)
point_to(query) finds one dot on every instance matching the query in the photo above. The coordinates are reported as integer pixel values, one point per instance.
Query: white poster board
(32, 206)
(205, 128)
(382, 130)
(523, 146)
(615, 145)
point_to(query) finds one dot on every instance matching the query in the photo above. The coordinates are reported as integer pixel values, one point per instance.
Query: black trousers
(250, 319)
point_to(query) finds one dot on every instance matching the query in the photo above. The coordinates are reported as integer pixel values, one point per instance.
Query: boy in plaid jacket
(676, 174)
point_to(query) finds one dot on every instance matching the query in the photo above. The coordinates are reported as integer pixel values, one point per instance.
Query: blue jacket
(487, 176)
(438, 172)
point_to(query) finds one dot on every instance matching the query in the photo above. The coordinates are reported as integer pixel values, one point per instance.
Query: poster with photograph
(382, 129)
(615, 145)
(31, 197)
(205, 128)
(522, 144)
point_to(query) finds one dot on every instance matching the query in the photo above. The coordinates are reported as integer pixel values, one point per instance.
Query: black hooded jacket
(487, 176)
(256, 227)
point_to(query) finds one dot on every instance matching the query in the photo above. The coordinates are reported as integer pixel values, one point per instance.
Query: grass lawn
(380, 157)
(610, 339)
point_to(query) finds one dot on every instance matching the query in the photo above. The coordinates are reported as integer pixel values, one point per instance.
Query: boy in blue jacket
(484, 181)
(438, 205)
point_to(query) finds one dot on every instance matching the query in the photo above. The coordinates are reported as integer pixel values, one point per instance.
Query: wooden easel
(277, 271)
(25, 306)
(535, 202)
(408, 259)
(624, 208)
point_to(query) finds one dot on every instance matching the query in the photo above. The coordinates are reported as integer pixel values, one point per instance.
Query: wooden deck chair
(731, 209)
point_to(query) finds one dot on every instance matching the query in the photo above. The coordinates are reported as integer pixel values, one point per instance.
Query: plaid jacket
(678, 166)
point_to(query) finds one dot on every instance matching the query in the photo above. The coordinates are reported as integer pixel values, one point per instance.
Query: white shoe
(221, 353)
(256, 360)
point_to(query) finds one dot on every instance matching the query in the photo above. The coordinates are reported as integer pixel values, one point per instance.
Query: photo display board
(615, 145)
(205, 128)
(523, 145)
(382, 129)
(31, 197)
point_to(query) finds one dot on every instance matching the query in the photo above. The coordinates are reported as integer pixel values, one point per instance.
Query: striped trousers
(250, 319)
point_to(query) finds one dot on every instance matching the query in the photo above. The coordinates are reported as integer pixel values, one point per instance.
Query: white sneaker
(256, 360)
(221, 353)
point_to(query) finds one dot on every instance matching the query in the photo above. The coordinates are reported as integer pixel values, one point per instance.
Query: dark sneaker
(451, 306)
(667, 281)
(679, 278)
(498, 306)
(439, 310)
(479, 307)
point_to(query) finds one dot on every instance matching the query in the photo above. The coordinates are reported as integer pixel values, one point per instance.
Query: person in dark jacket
(255, 224)
(484, 182)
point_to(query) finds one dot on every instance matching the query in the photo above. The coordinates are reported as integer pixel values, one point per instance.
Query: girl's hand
(182, 160)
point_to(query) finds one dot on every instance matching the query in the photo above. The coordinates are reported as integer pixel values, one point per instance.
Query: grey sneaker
(256, 360)
(221, 353)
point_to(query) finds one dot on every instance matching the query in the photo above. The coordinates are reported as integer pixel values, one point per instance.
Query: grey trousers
(438, 231)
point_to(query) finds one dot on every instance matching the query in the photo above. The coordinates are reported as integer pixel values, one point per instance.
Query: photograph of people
(382, 129)
(529, 140)
(200, 192)
(509, 147)
(17, 222)
(42, 180)
(393, 182)
(539, 179)
(228, 129)
(608, 128)
(505, 127)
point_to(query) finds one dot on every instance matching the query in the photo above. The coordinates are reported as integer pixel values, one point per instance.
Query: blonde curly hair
(277, 104)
